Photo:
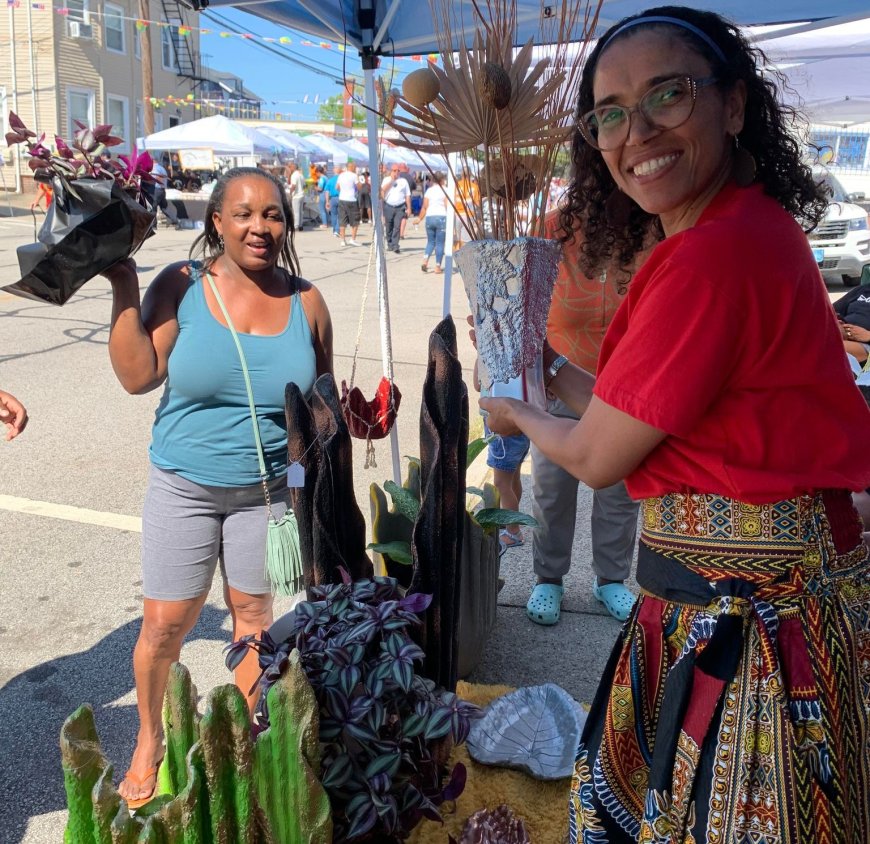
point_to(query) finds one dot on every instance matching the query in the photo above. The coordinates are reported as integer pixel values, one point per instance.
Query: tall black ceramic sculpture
(332, 531)
(437, 539)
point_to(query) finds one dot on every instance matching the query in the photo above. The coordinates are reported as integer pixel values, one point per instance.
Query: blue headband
(674, 22)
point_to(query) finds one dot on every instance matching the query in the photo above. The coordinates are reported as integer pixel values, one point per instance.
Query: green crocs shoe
(545, 603)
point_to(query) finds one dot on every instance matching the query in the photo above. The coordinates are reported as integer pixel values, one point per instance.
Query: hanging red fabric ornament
(370, 420)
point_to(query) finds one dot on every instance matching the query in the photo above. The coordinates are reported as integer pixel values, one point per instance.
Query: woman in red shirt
(736, 704)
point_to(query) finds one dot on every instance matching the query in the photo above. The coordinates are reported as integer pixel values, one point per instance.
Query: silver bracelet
(553, 369)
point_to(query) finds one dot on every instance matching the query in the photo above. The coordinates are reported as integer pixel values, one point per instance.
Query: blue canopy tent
(382, 28)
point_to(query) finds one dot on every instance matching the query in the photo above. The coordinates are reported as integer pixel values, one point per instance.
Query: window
(169, 46)
(173, 121)
(113, 28)
(137, 43)
(117, 115)
(140, 120)
(78, 19)
(79, 106)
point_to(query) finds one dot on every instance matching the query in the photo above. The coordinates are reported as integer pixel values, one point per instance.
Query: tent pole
(380, 261)
(448, 240)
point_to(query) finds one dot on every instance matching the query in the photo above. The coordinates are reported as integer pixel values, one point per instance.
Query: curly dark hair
(207, 246)
(777, 152)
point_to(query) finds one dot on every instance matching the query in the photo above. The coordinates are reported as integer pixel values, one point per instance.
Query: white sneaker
(335, 234)
(353, 243)
(345, 243)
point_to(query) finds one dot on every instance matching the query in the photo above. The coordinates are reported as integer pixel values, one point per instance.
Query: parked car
(841, 242)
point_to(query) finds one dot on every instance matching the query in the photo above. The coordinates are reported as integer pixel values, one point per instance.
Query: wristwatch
(553, 369)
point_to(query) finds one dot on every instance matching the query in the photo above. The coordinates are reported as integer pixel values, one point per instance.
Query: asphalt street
(71, 490)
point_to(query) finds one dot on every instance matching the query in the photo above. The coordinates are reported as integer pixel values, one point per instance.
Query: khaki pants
(554, 505)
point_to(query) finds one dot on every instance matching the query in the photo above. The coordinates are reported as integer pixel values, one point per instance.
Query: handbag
(283, 554)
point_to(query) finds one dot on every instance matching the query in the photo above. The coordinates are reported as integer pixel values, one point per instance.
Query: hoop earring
(221, 242)
(743, 168)
(617, 209)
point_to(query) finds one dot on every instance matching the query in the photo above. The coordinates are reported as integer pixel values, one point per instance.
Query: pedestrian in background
(396, 197)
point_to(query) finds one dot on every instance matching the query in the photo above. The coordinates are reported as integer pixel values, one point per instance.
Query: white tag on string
(295, 475)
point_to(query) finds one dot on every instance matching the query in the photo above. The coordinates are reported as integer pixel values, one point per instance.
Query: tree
(332, 111)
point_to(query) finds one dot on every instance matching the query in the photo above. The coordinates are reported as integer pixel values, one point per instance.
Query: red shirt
(727, 341)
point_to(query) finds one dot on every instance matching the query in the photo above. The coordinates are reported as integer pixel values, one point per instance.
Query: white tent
(218, 133)
(297, 143)
(333, 147)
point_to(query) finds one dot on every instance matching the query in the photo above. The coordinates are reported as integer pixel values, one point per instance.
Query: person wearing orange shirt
(580, 312)
(467, 204)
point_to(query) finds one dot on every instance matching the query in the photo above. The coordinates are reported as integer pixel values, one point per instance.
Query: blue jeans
(324, 214)
(436, 231)
(333, 213)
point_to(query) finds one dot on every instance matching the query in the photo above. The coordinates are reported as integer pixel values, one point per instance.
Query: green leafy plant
(384, 730)
(406, 502)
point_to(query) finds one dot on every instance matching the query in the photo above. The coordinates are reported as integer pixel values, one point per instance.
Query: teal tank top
(202, 429)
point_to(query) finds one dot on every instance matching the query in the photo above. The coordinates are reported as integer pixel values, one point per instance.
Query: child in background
(505, 456)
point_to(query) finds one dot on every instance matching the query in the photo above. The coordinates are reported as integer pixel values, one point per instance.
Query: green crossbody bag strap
(283, 553)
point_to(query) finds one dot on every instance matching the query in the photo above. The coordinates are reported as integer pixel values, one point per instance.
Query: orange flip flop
(139, 802)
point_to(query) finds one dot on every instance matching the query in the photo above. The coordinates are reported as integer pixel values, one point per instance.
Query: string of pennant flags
(185, 31)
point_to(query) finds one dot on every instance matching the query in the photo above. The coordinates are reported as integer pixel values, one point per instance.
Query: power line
(294, 58)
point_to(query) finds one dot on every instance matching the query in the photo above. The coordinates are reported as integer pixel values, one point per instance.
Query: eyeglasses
(664, 106)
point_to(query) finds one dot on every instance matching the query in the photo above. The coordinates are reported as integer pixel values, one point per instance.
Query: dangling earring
(617, 209)
(743, 168)
(221, 242)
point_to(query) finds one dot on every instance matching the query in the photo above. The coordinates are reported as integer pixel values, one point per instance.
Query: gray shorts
(188, 527)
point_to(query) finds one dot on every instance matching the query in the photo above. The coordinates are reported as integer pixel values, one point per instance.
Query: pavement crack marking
(82, 515)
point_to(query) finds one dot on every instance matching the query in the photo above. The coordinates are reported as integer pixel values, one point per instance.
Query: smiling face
(673, 173)
(251, 222)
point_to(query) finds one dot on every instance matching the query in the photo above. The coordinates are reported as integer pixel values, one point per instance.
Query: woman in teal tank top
(204, 502)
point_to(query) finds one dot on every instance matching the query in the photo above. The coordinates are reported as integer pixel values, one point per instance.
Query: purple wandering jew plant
(385, 731)
(83, 157)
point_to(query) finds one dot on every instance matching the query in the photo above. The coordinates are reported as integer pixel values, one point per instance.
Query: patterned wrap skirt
(735, 707)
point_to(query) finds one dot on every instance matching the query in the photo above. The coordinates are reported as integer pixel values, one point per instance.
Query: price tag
(295, 475)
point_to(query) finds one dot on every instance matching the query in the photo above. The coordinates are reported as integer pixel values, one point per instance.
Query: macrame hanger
(369, 420)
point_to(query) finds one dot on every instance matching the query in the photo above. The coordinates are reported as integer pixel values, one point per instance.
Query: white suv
(841, 242)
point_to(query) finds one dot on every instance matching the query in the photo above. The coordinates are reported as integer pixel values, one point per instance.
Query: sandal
(438, 270)
(617, 599)
(509, 539)
(424, 267)
(545, 602)
(139, 802)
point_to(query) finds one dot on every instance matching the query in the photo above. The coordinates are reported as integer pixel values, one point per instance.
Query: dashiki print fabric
(735, 708)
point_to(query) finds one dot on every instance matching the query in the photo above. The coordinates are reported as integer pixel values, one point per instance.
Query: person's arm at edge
(13, 415)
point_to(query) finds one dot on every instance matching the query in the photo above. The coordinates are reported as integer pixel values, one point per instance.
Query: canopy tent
(289, 142)
(218, 133)
(828, 69)
(407, 27)
(334, 148)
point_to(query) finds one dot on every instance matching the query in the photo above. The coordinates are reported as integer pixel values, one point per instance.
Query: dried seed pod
(495, 85)
(421, 87)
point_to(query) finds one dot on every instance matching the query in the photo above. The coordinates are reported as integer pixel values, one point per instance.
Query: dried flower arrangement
(504, 112)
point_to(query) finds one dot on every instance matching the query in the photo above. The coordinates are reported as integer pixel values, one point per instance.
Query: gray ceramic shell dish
(535, 729)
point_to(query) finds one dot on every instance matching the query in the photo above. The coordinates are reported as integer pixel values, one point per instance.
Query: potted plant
(392, 532)
(97, 215)
(385, 731)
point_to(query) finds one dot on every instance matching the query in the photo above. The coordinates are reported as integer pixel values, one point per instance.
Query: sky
(282, 81)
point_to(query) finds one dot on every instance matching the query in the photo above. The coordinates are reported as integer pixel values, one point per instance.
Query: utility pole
(147, 72)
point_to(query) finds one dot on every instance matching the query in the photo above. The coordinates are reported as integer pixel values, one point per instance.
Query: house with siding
(84, 62)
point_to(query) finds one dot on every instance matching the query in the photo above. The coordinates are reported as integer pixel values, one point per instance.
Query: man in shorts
(348, 205)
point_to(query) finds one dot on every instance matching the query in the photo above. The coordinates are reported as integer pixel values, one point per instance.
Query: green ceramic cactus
(225, 733)
(287, 783)
(213, 785)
